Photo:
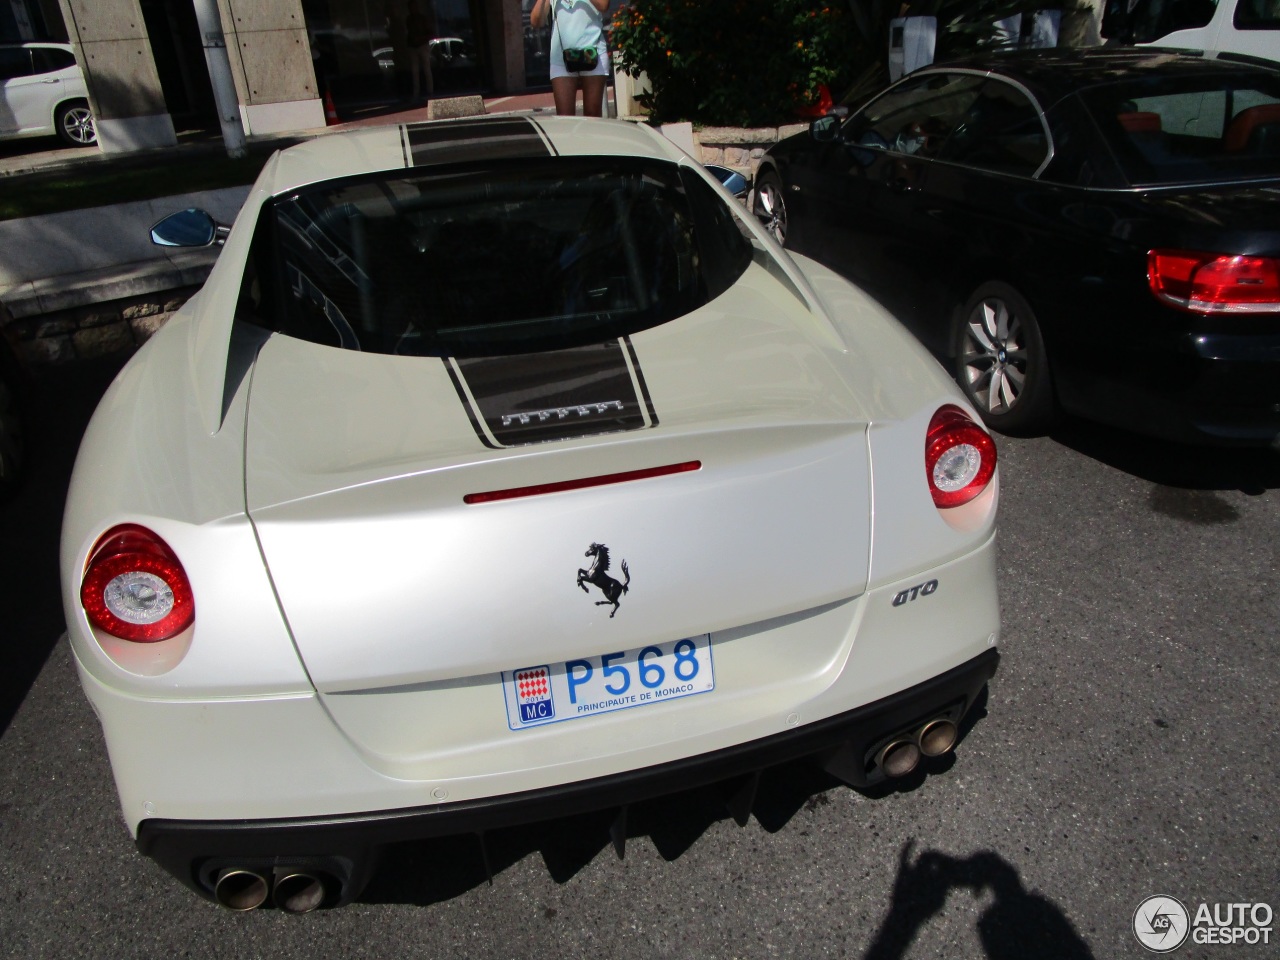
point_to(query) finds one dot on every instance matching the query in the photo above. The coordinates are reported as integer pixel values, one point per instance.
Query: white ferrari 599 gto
(506, 468)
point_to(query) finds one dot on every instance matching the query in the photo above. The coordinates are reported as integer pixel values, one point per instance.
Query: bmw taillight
(1214, 282)
(134, 587)
(959, 457)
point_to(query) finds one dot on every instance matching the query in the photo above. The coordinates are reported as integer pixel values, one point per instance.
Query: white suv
(42, 91)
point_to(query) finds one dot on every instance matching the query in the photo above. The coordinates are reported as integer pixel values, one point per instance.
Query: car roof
(1053, 74)
(474, 139)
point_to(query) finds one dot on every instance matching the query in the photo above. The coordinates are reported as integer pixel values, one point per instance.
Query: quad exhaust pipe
(241, 890)
(937, 737)
(291, 890)
(902, 754)
(297, 891)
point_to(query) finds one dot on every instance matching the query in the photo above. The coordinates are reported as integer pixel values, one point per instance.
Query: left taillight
(135, 588)
(959, 458)
(1214, 282)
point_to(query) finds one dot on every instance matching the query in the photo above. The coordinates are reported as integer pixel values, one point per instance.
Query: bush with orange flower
(734, 62)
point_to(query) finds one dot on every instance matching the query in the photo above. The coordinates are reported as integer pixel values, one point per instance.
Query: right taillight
(1214, 282)
(959, 458)
(134, 587)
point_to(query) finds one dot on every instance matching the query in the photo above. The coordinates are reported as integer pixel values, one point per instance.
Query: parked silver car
(43, 92)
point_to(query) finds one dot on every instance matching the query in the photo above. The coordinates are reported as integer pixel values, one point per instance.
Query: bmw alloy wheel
(994, 359)
(1000, 361)
(75, 125)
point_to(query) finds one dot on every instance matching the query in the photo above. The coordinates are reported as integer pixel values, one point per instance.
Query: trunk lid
(357, 467)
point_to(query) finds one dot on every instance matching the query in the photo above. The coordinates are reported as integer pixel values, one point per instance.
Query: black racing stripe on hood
(554, 395)
(468, 141)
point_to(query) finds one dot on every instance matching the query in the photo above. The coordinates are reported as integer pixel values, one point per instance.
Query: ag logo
(598, 574)
(1161, 924)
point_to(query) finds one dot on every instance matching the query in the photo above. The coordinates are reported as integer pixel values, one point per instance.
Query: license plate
(590, 686)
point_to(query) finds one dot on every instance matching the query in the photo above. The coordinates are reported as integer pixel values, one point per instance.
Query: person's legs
(420, 62)
(425, 53)
(565, 92)
(593, 96)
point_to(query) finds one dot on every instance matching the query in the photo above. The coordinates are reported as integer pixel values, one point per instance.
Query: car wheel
(769, 206)
(1000, 361)
(75, 124)
(12, 439)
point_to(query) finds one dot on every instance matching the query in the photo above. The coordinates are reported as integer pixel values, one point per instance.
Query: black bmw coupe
(1089, 231)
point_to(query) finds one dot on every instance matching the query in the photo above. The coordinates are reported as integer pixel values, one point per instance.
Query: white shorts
(601, 70)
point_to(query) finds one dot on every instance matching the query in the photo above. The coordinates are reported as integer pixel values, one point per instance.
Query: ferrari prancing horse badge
(598, 574)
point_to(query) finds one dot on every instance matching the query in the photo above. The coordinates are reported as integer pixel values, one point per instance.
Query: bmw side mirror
(188, 228)
(735, 182)
(825, 129)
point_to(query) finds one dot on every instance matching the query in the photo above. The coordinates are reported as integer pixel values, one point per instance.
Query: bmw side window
(1001, 131)
(14, 63)
(915, 117)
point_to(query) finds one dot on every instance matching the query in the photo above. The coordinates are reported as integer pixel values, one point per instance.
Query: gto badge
(598, 574)
(919, 590)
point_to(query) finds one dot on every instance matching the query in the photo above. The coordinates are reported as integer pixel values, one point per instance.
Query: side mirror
(735, 182)
(188, 228)
(825, 129)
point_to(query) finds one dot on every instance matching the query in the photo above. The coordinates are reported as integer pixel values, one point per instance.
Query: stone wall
(97, 330)
(741, 147)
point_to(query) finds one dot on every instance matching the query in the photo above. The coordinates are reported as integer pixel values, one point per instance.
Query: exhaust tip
(938, 737)
(898, 758)
(298, 892)
(240, 890)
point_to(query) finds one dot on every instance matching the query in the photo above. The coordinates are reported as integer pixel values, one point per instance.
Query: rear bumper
(344, 848)
(1217, 388)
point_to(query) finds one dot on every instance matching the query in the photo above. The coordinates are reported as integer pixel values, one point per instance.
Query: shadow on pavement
(432, 871)
(1016, 924)
(1250, 470)
(61, 402)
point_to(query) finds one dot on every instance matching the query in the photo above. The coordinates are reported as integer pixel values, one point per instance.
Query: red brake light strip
(559, 486)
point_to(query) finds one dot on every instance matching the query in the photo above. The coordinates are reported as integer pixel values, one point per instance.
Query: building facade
(148, 63)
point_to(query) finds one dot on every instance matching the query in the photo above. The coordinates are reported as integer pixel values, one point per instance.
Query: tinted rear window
(518, 257)
(14, 62)
(51, 59)
(1257, 15)
(1191, 130)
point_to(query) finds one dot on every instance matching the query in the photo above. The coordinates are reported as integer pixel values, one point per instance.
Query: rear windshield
(1193, 129)
(517, 257)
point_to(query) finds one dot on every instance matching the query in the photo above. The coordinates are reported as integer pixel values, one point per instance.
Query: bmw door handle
(900, 185)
